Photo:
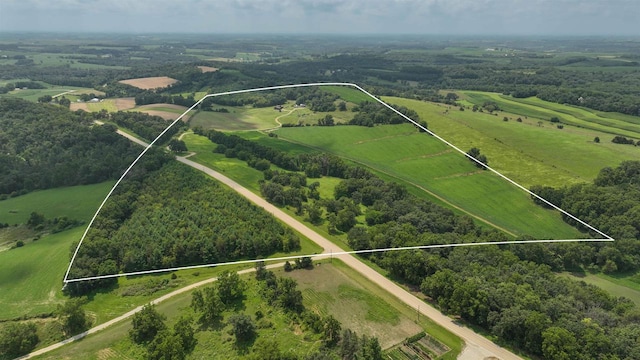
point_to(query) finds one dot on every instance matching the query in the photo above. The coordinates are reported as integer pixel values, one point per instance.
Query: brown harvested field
(165, 111)
(150, 82)
(206, 69)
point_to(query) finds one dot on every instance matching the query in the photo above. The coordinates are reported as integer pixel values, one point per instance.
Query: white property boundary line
(332, 254)
(66, 279)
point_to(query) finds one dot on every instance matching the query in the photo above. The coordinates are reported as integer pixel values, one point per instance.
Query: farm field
(55, 203)
(378, 316)
(581, 117)
(69, 92)
(525, 151)
(149, 83)
(165, 111)
(111, 105)
(402, 152)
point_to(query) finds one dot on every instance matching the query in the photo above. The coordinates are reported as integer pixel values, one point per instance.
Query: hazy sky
(575, 17)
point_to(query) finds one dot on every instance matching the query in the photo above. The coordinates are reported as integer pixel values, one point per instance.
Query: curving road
(476, 346)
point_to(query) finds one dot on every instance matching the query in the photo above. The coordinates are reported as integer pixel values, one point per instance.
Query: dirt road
(477, 346)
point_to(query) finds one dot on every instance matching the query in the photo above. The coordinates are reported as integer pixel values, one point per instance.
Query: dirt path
(477, 346)
(131, 313)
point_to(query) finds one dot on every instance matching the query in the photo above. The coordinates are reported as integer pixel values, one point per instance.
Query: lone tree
(242, 327)
(74, 319)
(177, 145)
(146, 324)
(596, 140)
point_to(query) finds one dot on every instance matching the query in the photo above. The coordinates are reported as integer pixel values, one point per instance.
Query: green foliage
(140, 229)
(177, 146)
(230, 287)
(243, 327)
(17, 339)
(146, 324)
(45, 146)
(207, 302)
(373, 113)
(73, 317)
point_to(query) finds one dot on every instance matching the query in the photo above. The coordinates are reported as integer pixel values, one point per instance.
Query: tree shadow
(243, 347)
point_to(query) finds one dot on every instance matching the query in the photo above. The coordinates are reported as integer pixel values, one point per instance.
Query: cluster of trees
(371, 113)
(149, 330)
(474, 152)
(44, 146)
(153, 97)
(144, 125)
(220, 305)
(169, 215)
(611, 204)
(38, 222)
(623, 140)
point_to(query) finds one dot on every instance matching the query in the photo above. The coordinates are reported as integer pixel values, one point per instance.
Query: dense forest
(168, 215)
(511, 291)
(44, 146)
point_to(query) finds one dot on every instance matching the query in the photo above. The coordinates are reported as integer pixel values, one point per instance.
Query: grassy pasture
(415, 158)
(348, 94)
(571, 115)
(526, 152)
(34, 94)
(31, 276)
(75, 202)
(250, 118)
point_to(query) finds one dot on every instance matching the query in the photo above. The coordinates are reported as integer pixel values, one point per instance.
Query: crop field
(614, 286)
(206, 69)
(157, 82)
(572, 115)
(165, 111)
(400, 151)
(51, 90)
(528, 152)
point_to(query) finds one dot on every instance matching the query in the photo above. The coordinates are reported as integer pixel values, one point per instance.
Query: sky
(439, 17)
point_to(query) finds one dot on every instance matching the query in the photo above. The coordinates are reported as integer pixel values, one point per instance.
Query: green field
(75, 202)
(374, 312)
(348, 93)
(415, 158)
(581, 117)
(525, 151)
(31, 276)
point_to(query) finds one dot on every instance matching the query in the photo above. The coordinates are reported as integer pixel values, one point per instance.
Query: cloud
(324, 16)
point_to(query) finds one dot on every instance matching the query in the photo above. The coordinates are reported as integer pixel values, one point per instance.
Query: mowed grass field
(526, 152)
(348, 94)
(617, 124)
(423, 161)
